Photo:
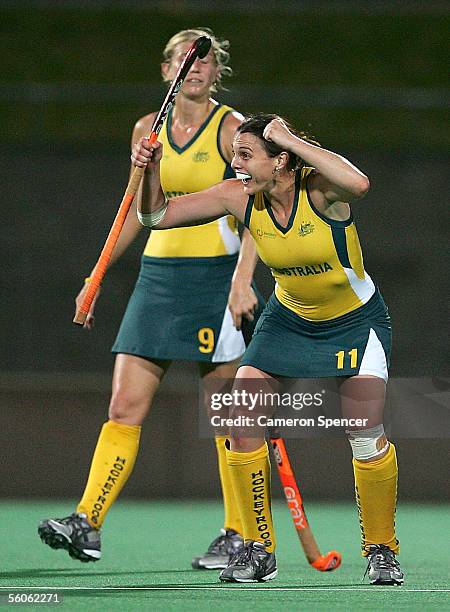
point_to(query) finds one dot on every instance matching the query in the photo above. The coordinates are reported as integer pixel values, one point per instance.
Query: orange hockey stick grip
(200, 49)
(105, 256)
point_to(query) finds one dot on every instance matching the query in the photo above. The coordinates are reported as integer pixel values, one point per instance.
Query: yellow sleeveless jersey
(194, 167)
(316, 262)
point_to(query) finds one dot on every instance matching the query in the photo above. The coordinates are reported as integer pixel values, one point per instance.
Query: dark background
(367, 78)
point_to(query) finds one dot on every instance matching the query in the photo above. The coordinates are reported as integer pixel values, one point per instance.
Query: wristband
(153, 218)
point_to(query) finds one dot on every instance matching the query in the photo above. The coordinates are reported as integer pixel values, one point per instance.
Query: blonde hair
(218, 47)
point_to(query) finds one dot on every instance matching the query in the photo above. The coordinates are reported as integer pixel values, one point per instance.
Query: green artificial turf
(147, 549)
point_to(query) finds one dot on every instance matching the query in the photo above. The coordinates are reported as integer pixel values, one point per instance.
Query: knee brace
(369, 443)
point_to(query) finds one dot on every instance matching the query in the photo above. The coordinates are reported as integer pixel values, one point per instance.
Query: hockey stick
(199, 49)
(323, 563)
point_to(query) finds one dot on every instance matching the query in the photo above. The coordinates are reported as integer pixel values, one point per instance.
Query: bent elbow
(361, 187)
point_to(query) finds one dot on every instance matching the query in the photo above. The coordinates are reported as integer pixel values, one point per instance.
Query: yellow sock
(250, 476)
(111, 465)
(376, 497)
(232, 519)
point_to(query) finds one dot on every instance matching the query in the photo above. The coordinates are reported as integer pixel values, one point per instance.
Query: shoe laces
(81, 528)
(222, 544)
(381, 557)
(245, 555)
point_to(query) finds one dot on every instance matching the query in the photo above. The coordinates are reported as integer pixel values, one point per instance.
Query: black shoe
(74, 534)
(382, 566)
(251, 564)
(219, 551)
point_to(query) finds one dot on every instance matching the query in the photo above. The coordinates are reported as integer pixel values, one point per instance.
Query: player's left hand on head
(242, 302)
(277, 132)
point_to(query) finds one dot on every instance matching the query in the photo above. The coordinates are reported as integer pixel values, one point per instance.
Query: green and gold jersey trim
(337, 231)
(290, 222)
(196, 166)
(196, 136)
(316, 261)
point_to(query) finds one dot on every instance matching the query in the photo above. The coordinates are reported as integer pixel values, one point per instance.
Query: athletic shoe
(74, 534)
(220, 551)
(382, 566)
(251, 564)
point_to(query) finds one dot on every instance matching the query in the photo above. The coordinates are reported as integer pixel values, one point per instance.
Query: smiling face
(252, 164)
(200, 78)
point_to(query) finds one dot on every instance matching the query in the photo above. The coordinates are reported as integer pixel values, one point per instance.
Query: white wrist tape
(368, 443)
(153, 218)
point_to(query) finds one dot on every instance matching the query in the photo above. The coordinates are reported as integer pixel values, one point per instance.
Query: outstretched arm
(242, 300)
(156, 211)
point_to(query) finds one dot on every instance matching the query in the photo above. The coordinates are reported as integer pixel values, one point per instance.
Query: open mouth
(244, 177)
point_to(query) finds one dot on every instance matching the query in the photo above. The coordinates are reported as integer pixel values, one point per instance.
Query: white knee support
(368, 443)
